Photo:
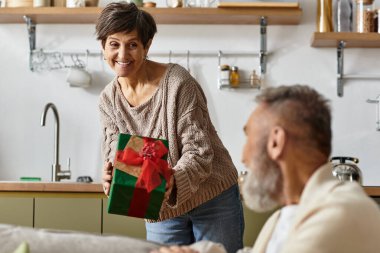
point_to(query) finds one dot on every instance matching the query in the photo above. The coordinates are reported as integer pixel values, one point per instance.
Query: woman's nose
(122, 52)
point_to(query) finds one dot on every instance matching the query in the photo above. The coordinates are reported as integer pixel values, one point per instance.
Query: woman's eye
(133, 45)
(114, 44)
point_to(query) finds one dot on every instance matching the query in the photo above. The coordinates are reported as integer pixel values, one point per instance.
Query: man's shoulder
(345, 203)
(351, 194)
(340, 221)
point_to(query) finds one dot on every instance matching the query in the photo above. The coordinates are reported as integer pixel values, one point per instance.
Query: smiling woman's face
(125, 53)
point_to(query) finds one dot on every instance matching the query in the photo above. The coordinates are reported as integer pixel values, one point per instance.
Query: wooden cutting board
(258, 5)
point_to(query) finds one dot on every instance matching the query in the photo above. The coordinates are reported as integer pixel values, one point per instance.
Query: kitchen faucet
(56, 174)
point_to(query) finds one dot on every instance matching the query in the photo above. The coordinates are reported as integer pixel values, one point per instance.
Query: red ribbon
(150, 157)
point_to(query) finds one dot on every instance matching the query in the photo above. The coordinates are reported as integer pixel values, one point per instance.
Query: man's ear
(276, 142)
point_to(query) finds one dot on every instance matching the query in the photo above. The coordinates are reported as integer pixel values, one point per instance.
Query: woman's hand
(175, 249)
(107, 177)
(169, 186)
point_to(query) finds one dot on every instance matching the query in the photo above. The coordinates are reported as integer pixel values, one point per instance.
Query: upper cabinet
(351, 39)
(276, 15)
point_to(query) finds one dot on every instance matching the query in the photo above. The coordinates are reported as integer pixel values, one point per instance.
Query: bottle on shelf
(364, 16)
(224, 74)
(254, 80)
(234, 77)
(41, 3)
(324, 16)
(343, 12)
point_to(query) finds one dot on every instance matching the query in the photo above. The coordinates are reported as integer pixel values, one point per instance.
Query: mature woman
(164, 101)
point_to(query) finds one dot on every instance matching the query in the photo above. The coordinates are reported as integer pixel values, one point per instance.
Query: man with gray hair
(287, 152)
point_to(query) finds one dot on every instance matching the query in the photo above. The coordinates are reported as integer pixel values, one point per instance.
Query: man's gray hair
(302, 108)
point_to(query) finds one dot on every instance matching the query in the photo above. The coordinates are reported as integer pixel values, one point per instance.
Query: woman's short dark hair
(125, 17)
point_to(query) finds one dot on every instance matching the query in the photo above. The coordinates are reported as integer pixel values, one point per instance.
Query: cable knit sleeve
(195, 163)
(109, 129)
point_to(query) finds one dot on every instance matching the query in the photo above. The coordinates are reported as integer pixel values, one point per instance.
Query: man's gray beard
(262, 185)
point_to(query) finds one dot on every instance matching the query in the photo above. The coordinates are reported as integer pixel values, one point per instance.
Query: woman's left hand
(169, 186)
(175, 249)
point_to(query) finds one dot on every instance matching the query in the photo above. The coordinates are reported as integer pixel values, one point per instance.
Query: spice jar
(324, 16)
(224, 75)
(254, 80)
(364, 16)
(234, 77)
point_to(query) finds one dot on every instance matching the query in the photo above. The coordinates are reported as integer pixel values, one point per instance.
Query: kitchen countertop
(70, 187)
(73, 187)
(373, 191)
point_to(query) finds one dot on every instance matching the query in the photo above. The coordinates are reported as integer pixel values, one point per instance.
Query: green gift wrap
(140, 175)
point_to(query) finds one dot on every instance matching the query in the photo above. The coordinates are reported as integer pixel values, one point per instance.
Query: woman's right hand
(107, 177)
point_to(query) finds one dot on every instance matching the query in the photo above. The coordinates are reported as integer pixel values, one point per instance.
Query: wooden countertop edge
(373, 191)
(50, 187)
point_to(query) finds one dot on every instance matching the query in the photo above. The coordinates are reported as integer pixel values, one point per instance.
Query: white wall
(26, 148)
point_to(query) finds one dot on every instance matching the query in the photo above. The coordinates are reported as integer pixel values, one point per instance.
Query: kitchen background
(26, 148)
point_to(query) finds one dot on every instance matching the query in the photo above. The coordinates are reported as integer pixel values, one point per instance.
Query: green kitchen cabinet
(253, 223)
(68, 213)
(122, 225)
(16, 211)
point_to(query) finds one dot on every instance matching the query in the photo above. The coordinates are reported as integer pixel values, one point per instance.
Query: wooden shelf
(352, 39)
(88, 15)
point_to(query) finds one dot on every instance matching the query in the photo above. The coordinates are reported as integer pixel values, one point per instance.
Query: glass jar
(41, 3)
(224, 75)
(234, 77)
(343, 12)
(364, 16)
(254, 80)
(324, 16)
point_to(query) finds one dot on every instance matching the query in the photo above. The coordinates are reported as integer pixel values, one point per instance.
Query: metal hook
(31, 26)
(170, 56)
(188, 61)
(340, 68)
(219, 57)
(377, 102)
(78, 63)
(87, 54)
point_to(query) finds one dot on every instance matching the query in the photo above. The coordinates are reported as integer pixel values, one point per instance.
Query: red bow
(152, 164)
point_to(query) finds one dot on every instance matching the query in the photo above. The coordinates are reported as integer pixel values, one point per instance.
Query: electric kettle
(346, 171)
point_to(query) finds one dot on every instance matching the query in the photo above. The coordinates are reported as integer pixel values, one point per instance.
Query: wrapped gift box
(140, 175)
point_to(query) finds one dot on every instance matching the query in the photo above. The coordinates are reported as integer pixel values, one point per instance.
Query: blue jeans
(219, 220)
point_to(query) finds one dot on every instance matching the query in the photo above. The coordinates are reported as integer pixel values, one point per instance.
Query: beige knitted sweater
(178, 113)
